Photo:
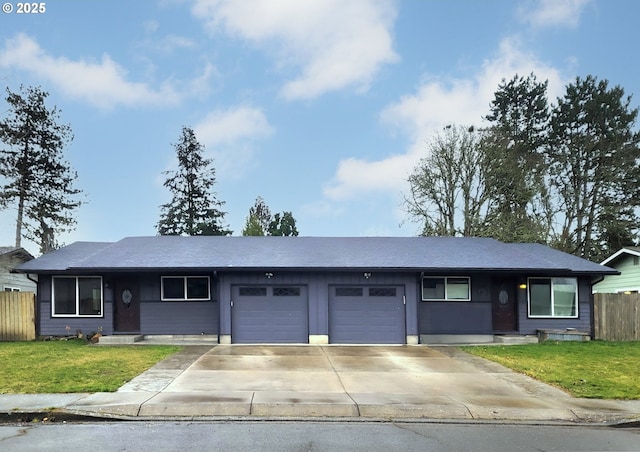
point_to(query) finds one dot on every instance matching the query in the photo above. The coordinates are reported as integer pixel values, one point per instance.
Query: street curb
(61, 415)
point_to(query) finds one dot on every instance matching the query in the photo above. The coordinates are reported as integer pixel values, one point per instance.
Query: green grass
(597, 370)
(72, 366)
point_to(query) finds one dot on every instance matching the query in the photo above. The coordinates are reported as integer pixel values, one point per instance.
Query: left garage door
(269, 314)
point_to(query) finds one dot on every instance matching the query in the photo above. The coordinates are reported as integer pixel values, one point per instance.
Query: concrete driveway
(342, 381)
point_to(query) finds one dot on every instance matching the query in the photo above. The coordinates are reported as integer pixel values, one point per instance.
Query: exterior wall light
(523, 286)
(367, 275)
(269, 275)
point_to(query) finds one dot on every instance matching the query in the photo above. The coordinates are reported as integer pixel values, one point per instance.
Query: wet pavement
(314, 381)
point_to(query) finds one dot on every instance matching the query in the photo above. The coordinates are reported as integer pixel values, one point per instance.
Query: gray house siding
(582, 323)
(179, 317)
(458, 317)
(176, 317)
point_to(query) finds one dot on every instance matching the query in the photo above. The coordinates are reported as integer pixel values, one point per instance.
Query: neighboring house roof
(628, 250)
(18, 252)
(309, 253)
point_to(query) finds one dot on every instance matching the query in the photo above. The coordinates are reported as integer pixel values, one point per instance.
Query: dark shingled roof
(16, 251)
(309, 253)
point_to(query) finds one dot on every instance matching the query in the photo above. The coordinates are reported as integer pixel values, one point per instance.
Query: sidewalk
(355, 383)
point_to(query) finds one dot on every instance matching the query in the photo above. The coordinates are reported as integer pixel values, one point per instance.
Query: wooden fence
(616, 316)
(17, 316)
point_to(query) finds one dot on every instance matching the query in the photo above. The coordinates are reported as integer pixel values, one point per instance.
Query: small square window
(173, 288)
(197, 288)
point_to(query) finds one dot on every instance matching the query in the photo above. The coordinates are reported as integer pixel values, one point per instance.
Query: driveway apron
(342, 381)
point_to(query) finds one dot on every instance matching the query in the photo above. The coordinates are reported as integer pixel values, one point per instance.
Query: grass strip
(73, 366)
(595, 369)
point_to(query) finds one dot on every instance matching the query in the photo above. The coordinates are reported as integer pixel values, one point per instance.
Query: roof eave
(619, 253)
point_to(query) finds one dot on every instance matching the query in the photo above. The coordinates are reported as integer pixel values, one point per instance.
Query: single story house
(11, 257)
(317, 290)
(627, 262)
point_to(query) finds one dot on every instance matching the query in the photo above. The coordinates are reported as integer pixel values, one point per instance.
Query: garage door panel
(264, 314)
(361, 315)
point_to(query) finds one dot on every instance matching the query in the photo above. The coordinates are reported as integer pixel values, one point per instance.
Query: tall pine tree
(514, 153)
(37, 180)
(194, 208)
(595, 154)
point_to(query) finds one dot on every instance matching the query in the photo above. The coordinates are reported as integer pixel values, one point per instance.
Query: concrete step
(160, 339)
(120, 339)
(515, 339)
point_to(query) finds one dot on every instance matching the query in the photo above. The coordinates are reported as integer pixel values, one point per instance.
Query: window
(11, 289)
(382, 291)
(553, 297)
(252, 291)
(286, 291)
(76, 296)
(446, 288)
(349, 292)
(185, 288)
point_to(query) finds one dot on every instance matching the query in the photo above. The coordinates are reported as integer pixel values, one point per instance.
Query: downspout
(36, 319)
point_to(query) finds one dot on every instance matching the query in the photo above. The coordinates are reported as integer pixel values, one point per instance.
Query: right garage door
(366, 315)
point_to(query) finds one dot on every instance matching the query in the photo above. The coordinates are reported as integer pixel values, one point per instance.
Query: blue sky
(322, 107)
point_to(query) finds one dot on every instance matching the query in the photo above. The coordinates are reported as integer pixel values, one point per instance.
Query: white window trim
(551, 278)
(184, 281)
(468, 278)
(77, 314)
(11, 289)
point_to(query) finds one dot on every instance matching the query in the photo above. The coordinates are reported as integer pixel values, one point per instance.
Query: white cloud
(435, 104)
(230, 136)
(103, 84)
(335, 44)
(553, 13)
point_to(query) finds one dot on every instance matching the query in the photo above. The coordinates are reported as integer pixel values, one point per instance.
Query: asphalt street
(312, 436)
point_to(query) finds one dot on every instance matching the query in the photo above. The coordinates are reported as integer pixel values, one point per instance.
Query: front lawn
(597, 370)
(72, 366)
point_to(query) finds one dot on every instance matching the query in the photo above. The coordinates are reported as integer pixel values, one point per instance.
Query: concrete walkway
(355, 382)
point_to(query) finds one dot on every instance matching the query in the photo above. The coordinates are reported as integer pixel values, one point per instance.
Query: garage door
(366, 315)
(269, 314)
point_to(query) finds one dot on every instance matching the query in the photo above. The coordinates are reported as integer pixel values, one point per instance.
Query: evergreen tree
(252, 227)
(594, 154)
(259, 219)
(194, 208)
(36, 178)
(516, 168)
(261, 222)
(283, 225)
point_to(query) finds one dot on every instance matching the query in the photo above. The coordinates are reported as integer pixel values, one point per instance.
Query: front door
(504, 305)
(126, 305)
